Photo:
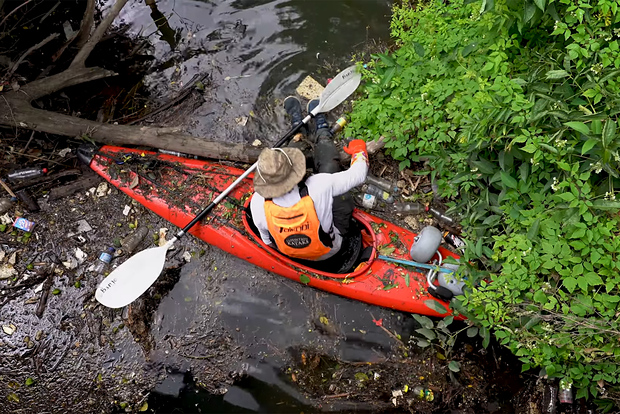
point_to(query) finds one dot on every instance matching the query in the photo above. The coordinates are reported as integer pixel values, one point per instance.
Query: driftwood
(17, 111)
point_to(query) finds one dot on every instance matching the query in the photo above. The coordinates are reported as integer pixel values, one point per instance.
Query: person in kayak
(309, 220)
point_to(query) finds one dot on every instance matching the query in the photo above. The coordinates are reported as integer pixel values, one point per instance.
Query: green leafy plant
(514, 106)
(443, 339)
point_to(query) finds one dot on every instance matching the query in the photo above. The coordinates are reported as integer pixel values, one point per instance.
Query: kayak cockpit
(355, 256)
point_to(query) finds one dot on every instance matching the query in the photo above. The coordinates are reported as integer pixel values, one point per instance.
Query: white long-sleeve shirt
(322, 188)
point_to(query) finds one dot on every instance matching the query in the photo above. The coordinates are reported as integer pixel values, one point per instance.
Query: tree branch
(87, 24)
(69, 77)
(29, 51)
(82, 55)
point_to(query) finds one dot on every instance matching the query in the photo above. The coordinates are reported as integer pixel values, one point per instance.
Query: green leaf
(605, 205)
(304, 279)
(578, 126)
(508, 180)
(387, 60)
(556, 74)
(588, 145)
(448, 320)
(454, 366)
(609, 132)
(540, 4)
(29, 381)
(436, 306)
(593, 279)
(582, 282)
(471, 332)
(56, 291)
(468, 49)
(570, 283)
(387, 76)
(424, 321)
(429, 334)
(423, 343)
(419, 49)
(540, 297)
(486, 337)
(528, 12)
(533, 231)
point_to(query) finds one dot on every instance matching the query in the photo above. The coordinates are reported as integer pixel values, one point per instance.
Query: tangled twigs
(42, 43)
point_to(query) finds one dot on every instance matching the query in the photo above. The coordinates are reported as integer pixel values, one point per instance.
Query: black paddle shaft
(210, 207)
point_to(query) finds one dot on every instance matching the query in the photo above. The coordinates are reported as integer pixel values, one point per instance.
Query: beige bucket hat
(278, 171)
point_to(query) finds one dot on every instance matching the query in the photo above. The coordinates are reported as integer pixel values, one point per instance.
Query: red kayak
(178, 188)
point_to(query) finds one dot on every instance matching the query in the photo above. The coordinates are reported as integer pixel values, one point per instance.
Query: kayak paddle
(132, 278)
(415, 264)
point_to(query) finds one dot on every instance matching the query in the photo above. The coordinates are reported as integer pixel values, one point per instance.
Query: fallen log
(16, 110)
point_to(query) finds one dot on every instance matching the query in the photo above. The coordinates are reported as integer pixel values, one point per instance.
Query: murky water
(256, 51)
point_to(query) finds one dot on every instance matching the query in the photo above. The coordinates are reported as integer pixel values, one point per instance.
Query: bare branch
(13, 11)
(69, 77)
(87, 24)
(42, 43)
(81, 56)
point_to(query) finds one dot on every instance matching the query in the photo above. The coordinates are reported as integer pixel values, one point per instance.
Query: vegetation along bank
(512, 105)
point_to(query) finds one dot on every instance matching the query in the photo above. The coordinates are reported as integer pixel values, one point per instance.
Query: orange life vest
(296, 230)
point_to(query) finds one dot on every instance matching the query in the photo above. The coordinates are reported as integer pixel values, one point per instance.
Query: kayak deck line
(176, 188)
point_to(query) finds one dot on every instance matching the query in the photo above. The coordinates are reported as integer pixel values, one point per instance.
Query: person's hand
(355, 146)
(357, 149)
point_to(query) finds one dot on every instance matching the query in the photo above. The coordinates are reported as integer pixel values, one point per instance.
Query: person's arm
(257, 206)
(343, 181)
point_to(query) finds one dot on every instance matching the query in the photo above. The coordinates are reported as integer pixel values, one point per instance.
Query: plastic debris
(257, 143)
(26, 173)
(309, 88)
(162, 236)
(126, 210)
(9, 329)
(7, 271)
(64, 152)
(82, 227)
(242, 120)
(79, 255)
(102, 189)
(23, 224)
(132, 241)
(187, 256)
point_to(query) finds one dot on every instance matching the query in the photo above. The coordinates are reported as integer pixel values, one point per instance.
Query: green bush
(514, 106)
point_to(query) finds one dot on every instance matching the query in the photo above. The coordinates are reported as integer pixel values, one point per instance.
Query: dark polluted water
(257, 52)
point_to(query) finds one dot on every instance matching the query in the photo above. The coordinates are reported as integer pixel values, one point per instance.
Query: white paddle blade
(339, 89)
(131, 279)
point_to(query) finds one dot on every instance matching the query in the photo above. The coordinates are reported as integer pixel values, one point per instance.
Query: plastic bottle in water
(26, 173)
(382, 183)
(105, 258)
(178, 154)
(132, 241)
(379, 193)
(338, 125)
(566, 392)
(412, 208)
(439, 215)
